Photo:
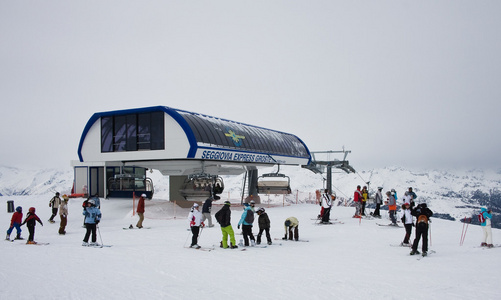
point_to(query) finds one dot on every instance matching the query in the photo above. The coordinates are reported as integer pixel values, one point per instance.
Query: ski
(39, 244)
(390, 225)
(202, 248)
(278, 239)
(128, 228)
(330, 223)
(401, 245)
(98, 246)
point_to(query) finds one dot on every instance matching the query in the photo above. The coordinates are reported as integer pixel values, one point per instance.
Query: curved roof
(211, 133)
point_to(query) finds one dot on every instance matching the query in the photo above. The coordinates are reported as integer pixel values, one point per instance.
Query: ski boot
(18, 237)
(7, 238)
(233, 246)
(413, 252)
(424, 253)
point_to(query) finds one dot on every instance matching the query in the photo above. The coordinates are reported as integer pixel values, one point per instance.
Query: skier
(246, 220)
(413, 197)
(392, 207)
(290, 224)
(140, 211)
(30, 221)
(223, 217)
(15, 222)
(379, 201)
(423, 214)
(407, 220)
(92, 218)
(326, 205)
(195, 218)
(97, 201)
(486, 227)
(264, 225)
(357, 198)
(54, 203)
(63, 214)
(206, 208)
(365, 195)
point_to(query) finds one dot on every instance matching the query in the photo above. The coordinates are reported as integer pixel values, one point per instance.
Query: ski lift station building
(118, 147)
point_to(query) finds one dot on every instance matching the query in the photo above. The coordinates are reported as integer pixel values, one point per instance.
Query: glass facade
(133, 132)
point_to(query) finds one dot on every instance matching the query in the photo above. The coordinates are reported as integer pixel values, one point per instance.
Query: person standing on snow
(30, 221)
(246, 220)
(223, 217)
(92, 218)
(63, 215)
(413, 197)
(290, 224)
(392, 207)
(206, 208)
(379, 201)
(97, 201)
(54, 203)
(264, 225)
(140, 211)
(407, 220)
(423, 215)
(486, 216)
(195, 218)
(326, 205)
(365, 195)
(15, 222)
(357, 198)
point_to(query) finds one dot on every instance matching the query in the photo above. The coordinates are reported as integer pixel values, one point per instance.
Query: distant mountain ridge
(451, 194)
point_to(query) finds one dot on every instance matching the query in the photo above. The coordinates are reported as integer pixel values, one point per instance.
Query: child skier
(407, 220)
(63, 214)
(92, 217)
(30, 220)
(195, 218)
(15, 222)
(264, 225)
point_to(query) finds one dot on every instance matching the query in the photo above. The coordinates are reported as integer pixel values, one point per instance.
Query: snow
(353, 260)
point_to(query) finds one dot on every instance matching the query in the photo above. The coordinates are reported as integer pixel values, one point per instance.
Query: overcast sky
(399, 83)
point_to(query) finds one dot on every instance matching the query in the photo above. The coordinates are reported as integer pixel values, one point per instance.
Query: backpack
(481, 217)
(249, 217)
(422, 219)
(219, 217)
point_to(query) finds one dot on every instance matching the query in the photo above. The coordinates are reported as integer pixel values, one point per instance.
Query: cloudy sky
(399, 83)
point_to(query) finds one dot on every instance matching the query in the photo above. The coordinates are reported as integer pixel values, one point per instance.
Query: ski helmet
(19, 209)
(227, 203)
(32, 210)
(92, 202)
(195, 205)
(261, 210)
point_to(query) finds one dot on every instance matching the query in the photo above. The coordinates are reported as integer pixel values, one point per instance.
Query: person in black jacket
(422, 214)
(264, 225)
(223, 217)
(206, 208)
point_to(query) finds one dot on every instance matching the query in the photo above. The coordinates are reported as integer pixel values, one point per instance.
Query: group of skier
(91, 212)
(223, 217)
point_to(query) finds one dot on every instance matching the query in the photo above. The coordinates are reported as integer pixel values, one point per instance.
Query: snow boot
(18, 237)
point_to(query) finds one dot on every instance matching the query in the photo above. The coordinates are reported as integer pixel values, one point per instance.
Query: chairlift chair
(273, 183)
(198, 187)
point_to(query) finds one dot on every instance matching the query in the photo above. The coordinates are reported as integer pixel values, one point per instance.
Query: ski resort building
(117, 148)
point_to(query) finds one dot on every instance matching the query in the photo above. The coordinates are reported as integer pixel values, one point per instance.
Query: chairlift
(198, 187)
(273, 183)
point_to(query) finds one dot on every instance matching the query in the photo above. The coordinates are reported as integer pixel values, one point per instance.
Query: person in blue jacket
(246, 221)
(486, 226)
(92, 218)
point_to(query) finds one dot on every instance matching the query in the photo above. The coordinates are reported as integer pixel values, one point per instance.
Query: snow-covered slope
(353, 260)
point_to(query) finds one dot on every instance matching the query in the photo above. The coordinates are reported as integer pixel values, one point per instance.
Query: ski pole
(200, 234)
(462, 233)
(100, 237)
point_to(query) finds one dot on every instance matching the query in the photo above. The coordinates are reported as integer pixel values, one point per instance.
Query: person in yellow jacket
(290, 224)
(365, 195)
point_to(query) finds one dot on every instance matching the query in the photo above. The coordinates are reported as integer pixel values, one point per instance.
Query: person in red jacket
(357, 197)
(15, 222)
(31, 217)
(140, 211)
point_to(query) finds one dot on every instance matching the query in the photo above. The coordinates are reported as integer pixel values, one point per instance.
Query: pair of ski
(390, 225)
(278, 239)
(39, 244)
(98, 246)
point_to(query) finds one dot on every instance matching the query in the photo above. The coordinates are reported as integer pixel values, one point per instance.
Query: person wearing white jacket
(195, 218)
(408, 222)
